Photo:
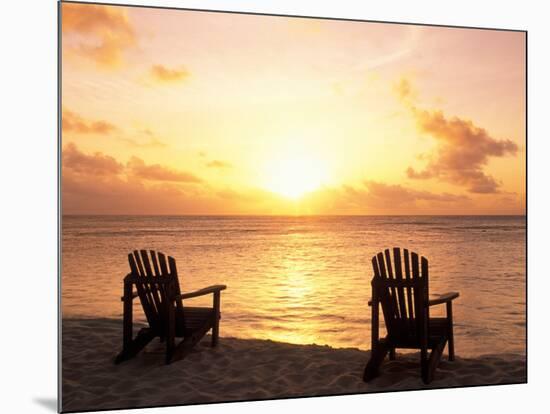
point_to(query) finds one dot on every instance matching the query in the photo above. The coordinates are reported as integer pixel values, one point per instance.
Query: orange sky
(180, 112)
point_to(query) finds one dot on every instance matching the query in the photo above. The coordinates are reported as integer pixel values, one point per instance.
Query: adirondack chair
(401, 288)
(157, 287)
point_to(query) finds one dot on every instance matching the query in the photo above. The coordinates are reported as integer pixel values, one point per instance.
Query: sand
(242, 369)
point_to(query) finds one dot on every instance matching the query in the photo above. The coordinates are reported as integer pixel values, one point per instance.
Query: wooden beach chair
(156, 284)
(400, 286)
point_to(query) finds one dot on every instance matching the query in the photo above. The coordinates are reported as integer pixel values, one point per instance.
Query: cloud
(75, 123)
(219, 164)
(380, 198)
(156, 172)
(163, 74)
(96, 164)
(463, 148)
(86, 194)
(96, 183)
(100, 33)
(99, 184)
(72, 122)
(381, 195)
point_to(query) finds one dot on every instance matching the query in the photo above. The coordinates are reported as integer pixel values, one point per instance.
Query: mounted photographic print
(258, 207)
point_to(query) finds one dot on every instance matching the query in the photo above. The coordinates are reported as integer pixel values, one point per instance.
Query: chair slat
(138, 262)
(155, 262)
(153, 286)
(409, 291)
(133, 266)
(393, 289)
(384, 295)
(172, 265)
(161, 288)
(375, 267)
(141, 290)
(381, 265)
(424, 266)
(147, 288)
(165, 272)
(162, 262)
(425, 290)
(174, 271)
(418, 305)
(400, 289)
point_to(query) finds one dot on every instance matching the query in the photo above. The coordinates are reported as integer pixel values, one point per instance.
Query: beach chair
(157, 286)
(400, 286)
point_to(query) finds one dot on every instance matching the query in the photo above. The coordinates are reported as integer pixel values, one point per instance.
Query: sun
(294, 176)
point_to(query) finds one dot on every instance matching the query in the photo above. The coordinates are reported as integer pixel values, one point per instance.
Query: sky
(185, 112)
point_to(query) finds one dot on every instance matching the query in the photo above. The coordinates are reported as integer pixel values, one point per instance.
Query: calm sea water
(307, 279)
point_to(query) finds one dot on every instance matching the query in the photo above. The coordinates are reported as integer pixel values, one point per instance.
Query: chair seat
(437, 330)
(193, 318)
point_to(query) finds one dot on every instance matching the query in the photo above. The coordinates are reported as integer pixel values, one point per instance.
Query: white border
(29, 177)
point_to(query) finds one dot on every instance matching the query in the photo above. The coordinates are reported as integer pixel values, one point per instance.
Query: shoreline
(244, 369)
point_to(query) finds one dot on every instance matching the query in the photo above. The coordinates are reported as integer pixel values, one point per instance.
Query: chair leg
(377, 356)
(132, 348)
(424, 365)
(451, 346)
(217, 316)
(450, 331)
(170, 332)
(215, 333)
(392, 354)
(431, 364)
(182, 349)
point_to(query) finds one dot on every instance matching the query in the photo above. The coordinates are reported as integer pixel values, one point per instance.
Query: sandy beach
(242, 369)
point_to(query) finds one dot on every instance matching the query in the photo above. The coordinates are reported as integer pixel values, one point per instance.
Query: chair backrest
(156, 281)
(400, 284)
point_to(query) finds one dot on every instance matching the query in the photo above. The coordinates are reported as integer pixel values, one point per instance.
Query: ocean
(307, 279)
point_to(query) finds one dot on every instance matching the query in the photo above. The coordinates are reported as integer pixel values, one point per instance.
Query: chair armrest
(443, 298)
(201, 292)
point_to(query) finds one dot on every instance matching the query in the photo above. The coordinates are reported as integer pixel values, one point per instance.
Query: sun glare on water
(295, 176)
